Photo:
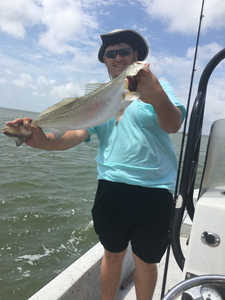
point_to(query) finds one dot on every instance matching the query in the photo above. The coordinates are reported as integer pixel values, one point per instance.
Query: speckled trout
(100, 103)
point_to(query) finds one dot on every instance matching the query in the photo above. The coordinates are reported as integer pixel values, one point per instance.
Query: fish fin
(119, 115)
(130, 96)
(58, 133)
(19, 141)
(58, 105)
(91, 87)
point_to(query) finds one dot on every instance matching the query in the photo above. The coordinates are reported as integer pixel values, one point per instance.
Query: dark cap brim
(128, 36)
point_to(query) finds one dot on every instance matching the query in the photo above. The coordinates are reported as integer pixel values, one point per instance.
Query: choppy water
(45, 210)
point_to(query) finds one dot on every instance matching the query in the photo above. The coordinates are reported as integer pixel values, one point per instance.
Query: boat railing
(190, 163)
(197, 287)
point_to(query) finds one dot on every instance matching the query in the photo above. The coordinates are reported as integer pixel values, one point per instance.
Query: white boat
(81, 280)
(201, 276)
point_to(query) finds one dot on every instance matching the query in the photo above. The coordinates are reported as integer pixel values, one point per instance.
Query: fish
(101, 102)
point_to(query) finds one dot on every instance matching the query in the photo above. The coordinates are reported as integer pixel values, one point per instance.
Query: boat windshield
(214, 168)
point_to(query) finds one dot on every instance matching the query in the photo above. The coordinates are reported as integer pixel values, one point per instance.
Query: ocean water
(45, 209)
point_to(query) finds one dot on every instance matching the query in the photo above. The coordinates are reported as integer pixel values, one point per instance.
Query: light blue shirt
(137, 151)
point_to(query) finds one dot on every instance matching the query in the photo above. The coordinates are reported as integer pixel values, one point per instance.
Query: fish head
(17, 132)
(135, 67)
(131, 72)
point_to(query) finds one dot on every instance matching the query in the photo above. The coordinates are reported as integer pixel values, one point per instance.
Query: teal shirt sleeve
(91, 131)
(173, 98)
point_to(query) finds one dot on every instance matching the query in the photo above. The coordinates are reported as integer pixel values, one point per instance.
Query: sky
(48, 48)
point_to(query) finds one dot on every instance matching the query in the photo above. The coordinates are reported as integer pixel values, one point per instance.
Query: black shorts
(142, 215)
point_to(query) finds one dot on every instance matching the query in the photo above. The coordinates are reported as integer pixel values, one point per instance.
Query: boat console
(206, 245)
(206, 248)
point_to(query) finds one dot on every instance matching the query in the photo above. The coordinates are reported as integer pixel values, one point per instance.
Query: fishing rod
(181, 152)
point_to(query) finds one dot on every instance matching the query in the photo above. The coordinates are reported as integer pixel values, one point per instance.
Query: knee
(112, 257)
(150, 268)
(145, 267)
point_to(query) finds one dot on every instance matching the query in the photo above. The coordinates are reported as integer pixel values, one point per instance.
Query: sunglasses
(122, 52)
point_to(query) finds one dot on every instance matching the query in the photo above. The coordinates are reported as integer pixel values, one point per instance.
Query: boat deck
(81, 280)
(174, 276)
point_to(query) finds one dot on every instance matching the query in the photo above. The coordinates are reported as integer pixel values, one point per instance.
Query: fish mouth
(131, 84)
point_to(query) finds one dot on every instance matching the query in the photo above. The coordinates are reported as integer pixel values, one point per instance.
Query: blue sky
(48, 48)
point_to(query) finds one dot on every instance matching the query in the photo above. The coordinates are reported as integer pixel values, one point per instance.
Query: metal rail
(187, 284)
(191, 157)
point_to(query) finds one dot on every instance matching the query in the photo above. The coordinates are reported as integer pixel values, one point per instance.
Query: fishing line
(181, 152)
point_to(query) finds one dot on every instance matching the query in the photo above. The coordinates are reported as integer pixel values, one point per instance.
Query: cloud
(205, 52)
(183, 16)
(214, 107)
(15, 15)
(163, 64)
(177, 71)
(68, 90)
(49, 88)
(63, 21)
(214, 14)
(2, 80)
(9, 72)
(58, 53)
(44, 84)
(59, 91)
(25, 81)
